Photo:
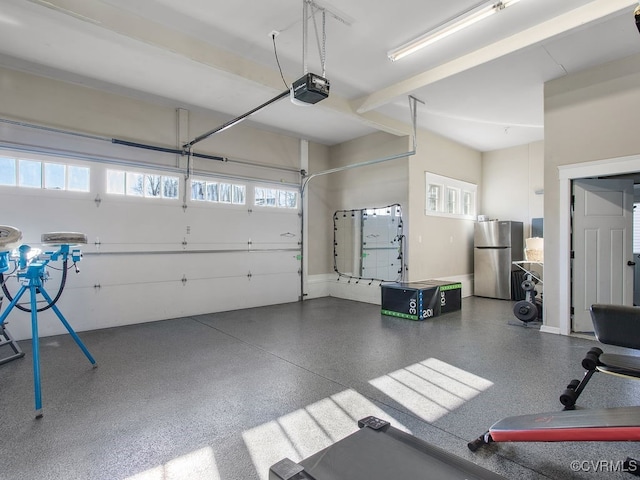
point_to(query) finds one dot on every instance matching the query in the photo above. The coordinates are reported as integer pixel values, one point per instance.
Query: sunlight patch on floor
(199, 464)
(308, 430)
(432, 388)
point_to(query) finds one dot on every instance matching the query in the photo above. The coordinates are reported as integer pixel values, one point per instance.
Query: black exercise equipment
(525, 311)
(613, 325)
(529, 308)
(379, 451)
(602, 425)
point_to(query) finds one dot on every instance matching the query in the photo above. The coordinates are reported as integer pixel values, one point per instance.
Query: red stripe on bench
(591, 434)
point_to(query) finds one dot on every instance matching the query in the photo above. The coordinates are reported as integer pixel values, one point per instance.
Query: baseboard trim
(318, 285)
(331, 285)
(548, 329)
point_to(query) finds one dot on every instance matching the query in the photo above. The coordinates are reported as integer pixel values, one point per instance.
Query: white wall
(320, 213)
(369, 186)
(510, 179)
(374, 185)
(590, 116)
(436, 247)
(440, 248)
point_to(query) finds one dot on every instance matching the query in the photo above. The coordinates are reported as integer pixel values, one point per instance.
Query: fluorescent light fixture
(471, 16)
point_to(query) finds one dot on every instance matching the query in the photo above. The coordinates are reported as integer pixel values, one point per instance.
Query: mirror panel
(368, 243)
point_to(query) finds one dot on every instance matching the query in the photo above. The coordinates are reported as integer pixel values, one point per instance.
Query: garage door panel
(150, 259)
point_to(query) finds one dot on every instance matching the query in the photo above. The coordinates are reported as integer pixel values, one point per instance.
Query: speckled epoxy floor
(225, 395)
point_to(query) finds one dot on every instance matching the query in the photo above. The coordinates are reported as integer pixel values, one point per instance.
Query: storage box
(534, 250)
(413, 301)
(421, 300)
(450, 294)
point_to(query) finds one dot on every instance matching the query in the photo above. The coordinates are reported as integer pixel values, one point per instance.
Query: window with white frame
(199, 190)
(213, 193)
(8, 171)
(468, 204)
(264, 197)
(238, 194)
(274, 197)
(31, 173)
(225, 192)
(115, 182)
(434, 194)
(217, 191)
(449, 197)
(139, 184)
(452, 201)
(170, 187)
(78, 178)
(134, 184)
(55, 176)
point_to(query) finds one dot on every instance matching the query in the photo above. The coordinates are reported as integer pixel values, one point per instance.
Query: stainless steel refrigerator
(496, 245)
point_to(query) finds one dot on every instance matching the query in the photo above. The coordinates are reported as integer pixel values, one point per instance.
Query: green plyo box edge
(400, 315)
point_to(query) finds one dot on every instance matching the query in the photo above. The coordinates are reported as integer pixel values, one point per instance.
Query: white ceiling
(482, 87)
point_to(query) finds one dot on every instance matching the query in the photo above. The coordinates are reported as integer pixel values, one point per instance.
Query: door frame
(566, 174)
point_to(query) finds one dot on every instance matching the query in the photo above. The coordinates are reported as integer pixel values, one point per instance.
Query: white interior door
(602, 246)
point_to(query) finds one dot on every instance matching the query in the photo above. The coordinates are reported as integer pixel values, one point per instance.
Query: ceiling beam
(580, 16)
(151, 33)
(372, 119)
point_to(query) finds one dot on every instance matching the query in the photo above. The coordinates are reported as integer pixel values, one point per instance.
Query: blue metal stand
(32, 280)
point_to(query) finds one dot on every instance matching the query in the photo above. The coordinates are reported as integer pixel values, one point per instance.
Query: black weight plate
(525, 311)
(528, 285)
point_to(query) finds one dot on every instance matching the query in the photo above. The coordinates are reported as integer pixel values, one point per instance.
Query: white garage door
(217, 243)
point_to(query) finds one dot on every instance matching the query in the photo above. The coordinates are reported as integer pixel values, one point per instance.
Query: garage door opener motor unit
(310, 89)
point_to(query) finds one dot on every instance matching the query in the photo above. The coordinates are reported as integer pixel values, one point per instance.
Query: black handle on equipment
(630, 263)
